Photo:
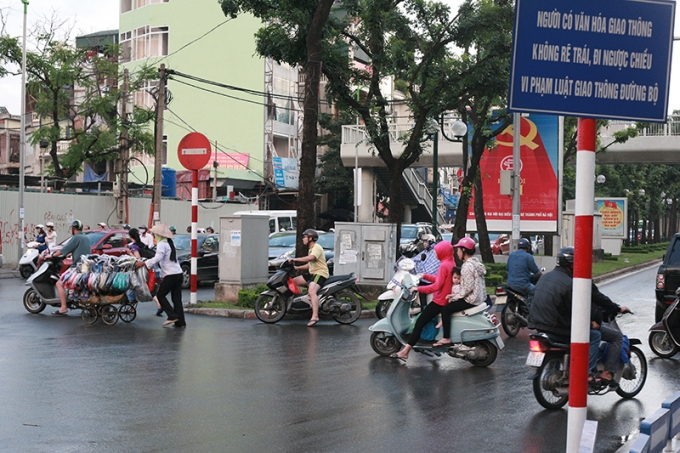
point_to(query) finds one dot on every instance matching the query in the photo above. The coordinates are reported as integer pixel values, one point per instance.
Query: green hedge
(247, 297)
(493, 280)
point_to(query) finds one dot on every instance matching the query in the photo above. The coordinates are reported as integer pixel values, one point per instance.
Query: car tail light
(537, 346)
(500, 291)
(660, 281)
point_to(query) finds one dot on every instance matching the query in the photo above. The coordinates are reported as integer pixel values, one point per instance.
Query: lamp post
(22, 150)
(458, 129)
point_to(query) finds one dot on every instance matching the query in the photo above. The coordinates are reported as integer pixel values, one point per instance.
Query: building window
(144, 42)
(146, 97)
(129, 5)
(283, 101)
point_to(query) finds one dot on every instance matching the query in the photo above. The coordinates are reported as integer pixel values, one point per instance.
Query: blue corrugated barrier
(659, 431)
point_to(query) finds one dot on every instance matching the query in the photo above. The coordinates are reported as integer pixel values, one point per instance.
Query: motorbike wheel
(89, 315)
(381, 308)
(489, 353)
(127, 313)
(32, 302)
(546, 381)
(509, 321)
(355, 307)
(662, 345)
(384, 344)
(628, 388)
(25, 271)
(270, 309)
(109, 314)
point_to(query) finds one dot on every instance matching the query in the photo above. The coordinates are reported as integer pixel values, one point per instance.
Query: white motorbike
(28, 263)
(404, 267)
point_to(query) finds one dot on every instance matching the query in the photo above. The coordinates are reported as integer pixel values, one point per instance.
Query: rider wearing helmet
(426, 262)
(551, 307)
(40, 237)
(472, 286)
(521, 266)
(51, 237)
(78, 246)
(316, 271)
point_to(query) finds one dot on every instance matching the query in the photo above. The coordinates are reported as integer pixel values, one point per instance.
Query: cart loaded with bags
(108, 287)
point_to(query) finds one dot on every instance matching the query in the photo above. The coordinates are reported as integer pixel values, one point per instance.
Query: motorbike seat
(545, 337)
(516, 292)
(336, 278)
(471, 311)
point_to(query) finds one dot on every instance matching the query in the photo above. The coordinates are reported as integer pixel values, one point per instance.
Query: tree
(75, 91)
(293, 33)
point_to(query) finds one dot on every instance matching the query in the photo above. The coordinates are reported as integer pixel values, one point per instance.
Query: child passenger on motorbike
(472, 287)
(455, 289)
(440, 288)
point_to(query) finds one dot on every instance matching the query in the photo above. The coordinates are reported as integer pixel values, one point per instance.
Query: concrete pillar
(367, 208)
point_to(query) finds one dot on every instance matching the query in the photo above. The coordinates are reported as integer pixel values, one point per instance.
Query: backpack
(145, 251)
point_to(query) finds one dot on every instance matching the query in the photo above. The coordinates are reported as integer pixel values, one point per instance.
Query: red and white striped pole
(583, 273)
(194, 236)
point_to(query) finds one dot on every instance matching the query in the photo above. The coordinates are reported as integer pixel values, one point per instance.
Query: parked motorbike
(475, 335)
(404, 267)
(515, 312)
(337, 298)
(551, 363)
(28, 263)
(665, 334)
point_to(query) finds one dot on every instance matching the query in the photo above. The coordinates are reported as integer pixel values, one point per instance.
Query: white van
(278, 220)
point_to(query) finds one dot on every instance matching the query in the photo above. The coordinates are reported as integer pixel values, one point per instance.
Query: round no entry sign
(194, 151)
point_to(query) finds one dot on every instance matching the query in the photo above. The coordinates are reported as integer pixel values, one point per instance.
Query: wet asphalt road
(233, 385)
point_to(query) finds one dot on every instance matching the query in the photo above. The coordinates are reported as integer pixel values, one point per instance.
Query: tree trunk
(480, 218)
(396, 207)
(305, 210)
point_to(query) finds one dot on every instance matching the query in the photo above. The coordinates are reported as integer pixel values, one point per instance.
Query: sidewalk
(6, 272)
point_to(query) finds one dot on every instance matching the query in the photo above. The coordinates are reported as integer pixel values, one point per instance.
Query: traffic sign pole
(582, 283)
(194, 153)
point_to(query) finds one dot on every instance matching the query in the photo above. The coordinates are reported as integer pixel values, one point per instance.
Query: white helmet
(429, 238)
(40, 226)
(50, 224)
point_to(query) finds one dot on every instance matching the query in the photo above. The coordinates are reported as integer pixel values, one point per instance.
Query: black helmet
(523, 243)
(565, 257)
(311, 233)
(77, 224)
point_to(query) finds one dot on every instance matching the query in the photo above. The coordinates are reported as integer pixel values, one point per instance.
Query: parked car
(500, 243)
(109, 242)
(207, 263)
(280, 243)
(326, 241)
(667, 277)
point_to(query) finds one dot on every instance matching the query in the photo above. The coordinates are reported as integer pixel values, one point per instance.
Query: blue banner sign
(593, 58)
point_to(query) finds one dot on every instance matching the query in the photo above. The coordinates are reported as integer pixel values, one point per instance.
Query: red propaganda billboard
(538, 175)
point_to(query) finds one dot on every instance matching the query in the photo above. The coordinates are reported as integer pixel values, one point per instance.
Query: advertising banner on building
(538, 175)
(614, 214)
(286, 174)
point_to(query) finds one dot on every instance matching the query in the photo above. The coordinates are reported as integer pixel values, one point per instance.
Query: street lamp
(601, 179)
(22, 150)
(458, 129)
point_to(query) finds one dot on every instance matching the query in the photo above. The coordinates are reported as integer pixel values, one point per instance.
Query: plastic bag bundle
(121, 282)
(142, 292)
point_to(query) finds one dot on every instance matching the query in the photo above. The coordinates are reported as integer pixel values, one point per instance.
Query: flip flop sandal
(395, 356)
(58, 313)
(312, 322)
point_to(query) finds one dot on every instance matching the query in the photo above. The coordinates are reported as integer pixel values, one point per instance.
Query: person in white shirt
(51, 236)
(146, 238)
(171, 273)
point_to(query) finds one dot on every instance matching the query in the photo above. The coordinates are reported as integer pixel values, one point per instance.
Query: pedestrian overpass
(657, 144)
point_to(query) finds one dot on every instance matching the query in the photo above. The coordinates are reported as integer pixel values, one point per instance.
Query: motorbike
(337, 298)
(28, 263)
(404, 267)
(43, 290)
(550, 360)
(515, 313)
(475, 334)
(664, 336)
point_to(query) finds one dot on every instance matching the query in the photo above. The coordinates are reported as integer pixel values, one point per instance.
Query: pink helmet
(466, 243)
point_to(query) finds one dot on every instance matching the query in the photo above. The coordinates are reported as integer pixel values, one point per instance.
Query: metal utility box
(367, 249)
(244, 249)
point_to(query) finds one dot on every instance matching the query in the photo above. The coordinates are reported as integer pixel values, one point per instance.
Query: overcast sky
(89, 16)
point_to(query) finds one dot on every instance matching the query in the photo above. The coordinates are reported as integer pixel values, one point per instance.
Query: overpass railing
(670, 127)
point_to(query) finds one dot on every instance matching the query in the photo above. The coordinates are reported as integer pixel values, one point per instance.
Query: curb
(9, 273)
(250, 314)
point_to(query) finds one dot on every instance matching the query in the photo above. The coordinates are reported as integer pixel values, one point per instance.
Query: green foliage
(494, 280)
(77, 93)
(247, 297)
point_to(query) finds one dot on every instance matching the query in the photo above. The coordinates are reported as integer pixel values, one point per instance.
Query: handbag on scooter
(429, 331)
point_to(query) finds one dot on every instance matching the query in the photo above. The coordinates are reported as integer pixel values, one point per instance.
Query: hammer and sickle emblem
(525, 140)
